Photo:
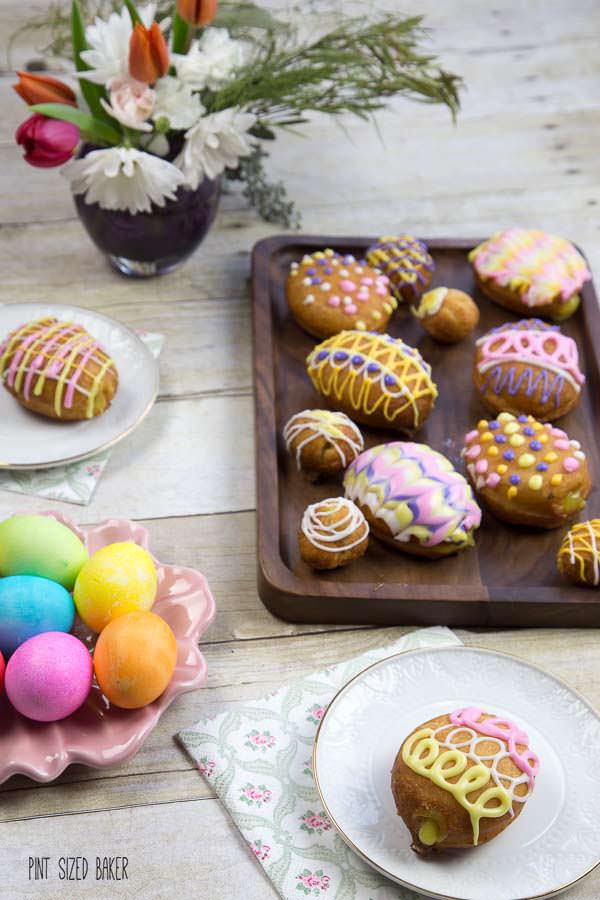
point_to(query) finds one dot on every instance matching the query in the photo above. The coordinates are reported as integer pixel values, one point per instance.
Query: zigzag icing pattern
(540, 266)
(372, 372)
(54, 351)
(417, 493)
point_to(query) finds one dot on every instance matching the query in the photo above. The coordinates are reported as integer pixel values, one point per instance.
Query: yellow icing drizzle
(394, 359)
(582, 544)
(431, 303)
(421, 753)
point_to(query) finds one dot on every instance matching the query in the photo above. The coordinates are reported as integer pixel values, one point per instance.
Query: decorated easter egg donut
(332, 533)
(447, 314)
(322, 441)
(461, 778)
(376, 379)
(579, 555)
(528, 367)
(407, 263)
(328, 292)
(57, 369)
(531, 272)
(526, 472)
(413, 499)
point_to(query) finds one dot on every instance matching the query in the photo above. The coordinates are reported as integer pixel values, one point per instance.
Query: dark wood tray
(510, 578)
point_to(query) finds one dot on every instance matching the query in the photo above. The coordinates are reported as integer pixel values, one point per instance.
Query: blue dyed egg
(30, 605)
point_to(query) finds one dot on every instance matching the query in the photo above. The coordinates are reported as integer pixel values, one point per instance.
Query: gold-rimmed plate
(554, 843)
(30, 441)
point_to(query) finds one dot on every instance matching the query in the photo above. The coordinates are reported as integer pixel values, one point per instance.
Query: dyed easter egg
(2, 667)
(49, 676)
(30, 605)
(118, 579)
(134, 659)
(40, 545)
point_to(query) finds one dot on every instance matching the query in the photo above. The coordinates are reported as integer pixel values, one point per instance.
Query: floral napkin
(257, 757)
(76, 482)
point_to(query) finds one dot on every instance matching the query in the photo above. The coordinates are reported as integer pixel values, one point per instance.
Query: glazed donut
(328, 292)
(525, 472)
(323, 442)
(530, 271)
(460, 779)
(58, 370)
(579, 555)
(447, 314)
(407, 263)
(332, 533)
(377, 379)
(413, 499)
(528, 367)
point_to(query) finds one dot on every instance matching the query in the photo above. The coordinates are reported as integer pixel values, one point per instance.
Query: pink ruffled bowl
(99, 734)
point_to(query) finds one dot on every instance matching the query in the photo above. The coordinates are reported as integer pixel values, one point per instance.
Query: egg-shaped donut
(333, 533)
(528, 367)
(323, 441)
(526, 472)
(407, 263)
(461, 778)
(376, 379)
(579, 555)
(531, 272)
(413, 498)
(328, 292)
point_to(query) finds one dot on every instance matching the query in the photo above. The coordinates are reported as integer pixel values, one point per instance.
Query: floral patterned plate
(99, 734)
(555, 841)
(30, 441)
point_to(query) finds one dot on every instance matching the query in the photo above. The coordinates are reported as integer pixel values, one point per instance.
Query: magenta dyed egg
(49, 676)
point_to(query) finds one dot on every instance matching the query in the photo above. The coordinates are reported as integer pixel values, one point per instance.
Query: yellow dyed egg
(134, 659)
(118, 579)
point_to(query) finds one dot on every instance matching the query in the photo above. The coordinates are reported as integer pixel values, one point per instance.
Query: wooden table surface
(525, 150)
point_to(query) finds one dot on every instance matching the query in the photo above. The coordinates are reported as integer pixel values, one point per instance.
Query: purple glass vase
(141, 245)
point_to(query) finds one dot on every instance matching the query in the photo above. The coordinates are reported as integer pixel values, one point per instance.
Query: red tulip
(47, 142)
(148, 54)
(43, 89)
(197, 12)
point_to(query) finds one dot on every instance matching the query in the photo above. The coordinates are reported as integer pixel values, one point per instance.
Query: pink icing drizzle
(529, 345)
(504, 730)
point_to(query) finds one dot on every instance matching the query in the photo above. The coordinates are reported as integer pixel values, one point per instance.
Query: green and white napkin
(76, 482)
(257, 757)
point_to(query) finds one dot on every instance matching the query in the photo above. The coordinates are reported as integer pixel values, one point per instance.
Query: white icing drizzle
(508, 782)
(322, 423)
(352, 527)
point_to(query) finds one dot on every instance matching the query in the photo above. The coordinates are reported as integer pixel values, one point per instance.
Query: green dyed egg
(40, 545)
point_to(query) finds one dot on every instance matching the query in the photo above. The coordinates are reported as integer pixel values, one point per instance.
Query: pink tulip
(47, 142)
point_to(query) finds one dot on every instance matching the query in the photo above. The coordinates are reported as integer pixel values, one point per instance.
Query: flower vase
(144, 244)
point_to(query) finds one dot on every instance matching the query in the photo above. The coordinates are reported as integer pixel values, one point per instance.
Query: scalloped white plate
(31, 441)
(554, 843)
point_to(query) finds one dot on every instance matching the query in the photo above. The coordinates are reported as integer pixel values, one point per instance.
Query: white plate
(556, 839)
(29, 441)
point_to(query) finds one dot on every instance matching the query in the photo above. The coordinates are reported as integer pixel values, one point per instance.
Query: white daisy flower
(108, 40)
(175, 102)
(210, 61)
(123, 178)
(214, 144)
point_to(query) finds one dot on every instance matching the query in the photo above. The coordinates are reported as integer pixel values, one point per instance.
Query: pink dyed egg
(49, 676)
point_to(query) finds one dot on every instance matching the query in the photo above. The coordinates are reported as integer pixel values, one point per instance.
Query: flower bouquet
(167, 100)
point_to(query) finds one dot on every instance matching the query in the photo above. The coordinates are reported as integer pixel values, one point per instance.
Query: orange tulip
(197, 12)
(148, 54)
(43, 89)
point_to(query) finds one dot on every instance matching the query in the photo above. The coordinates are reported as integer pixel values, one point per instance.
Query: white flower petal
(210, 61)
(123, 178)
(215, 143)
(176, 102)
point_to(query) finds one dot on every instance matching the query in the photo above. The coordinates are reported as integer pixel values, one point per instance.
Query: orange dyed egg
(134, 659)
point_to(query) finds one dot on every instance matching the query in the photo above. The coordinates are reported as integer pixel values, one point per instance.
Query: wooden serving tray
(510, 577)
